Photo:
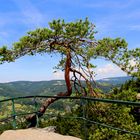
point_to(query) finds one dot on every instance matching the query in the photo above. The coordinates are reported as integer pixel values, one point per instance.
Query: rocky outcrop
(34, 134)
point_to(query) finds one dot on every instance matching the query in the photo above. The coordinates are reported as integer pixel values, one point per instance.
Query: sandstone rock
(33, 134)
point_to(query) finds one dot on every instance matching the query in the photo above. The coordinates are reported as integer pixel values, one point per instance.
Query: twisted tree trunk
(33, 118)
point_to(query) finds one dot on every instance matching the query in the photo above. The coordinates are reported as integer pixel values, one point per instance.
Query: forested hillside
(24, 88)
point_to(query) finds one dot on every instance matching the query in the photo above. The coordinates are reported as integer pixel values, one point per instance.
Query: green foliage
(132, 62)
(68, 126)
(115, 115)
(5, 126)
(54, 39)
(111, 114)
(127, 91)
(109, 48)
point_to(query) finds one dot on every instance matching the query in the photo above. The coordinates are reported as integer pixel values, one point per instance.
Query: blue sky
(112, 18)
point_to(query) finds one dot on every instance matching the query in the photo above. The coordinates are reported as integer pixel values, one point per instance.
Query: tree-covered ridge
(25, 88)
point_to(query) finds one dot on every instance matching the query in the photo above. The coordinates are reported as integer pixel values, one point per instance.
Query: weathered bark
(33, 118)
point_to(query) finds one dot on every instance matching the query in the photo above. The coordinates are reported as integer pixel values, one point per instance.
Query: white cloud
(60, 74)
(108, 70)
(57, 75)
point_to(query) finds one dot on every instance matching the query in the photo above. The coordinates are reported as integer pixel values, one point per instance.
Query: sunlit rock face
(33, 134)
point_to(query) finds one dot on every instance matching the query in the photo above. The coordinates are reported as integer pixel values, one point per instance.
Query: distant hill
(24, 88)
(106, 84)
(115, 80)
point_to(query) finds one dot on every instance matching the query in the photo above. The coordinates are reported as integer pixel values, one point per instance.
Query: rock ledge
(33, 134)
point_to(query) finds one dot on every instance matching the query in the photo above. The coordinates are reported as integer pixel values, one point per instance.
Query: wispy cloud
(3, 36)
(30, 14)
(109, 4)
(136, 45)
(135, 14)
(6, 19)
(57, 75)
(2, 21)
(68, 2)
(14, 23)
(120, 16)
(134, 27)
